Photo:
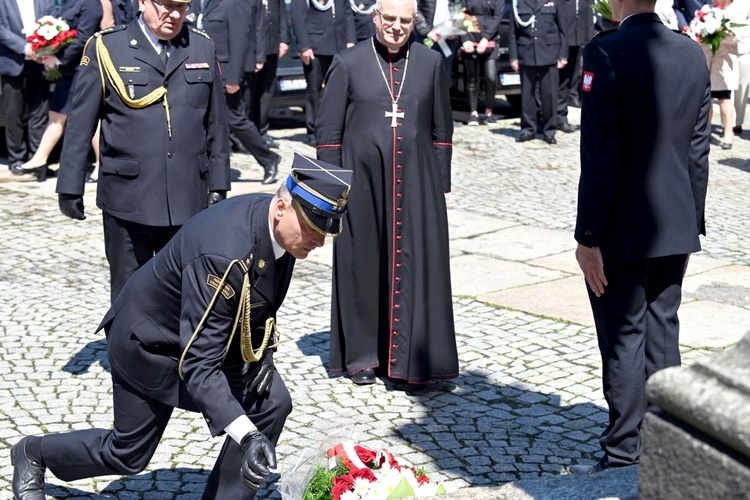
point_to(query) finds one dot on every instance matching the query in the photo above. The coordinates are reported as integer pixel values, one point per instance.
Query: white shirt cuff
(239, 427)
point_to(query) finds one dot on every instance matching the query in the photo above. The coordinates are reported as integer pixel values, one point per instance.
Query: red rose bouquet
(48, 36)
(354, 472)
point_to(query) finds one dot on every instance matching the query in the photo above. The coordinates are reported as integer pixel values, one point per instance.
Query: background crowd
(36, 110)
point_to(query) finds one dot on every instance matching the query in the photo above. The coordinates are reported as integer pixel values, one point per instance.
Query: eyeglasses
(404, 21)
(173, 7)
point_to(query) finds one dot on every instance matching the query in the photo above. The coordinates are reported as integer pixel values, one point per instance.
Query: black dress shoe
(365, 377)
(41, 173)
(550, 140)
(16, 168)
(524, 137)
(270, 142)
(737, 129)
(586, 470)
(566, 127)
(28, 474)
(270, 171)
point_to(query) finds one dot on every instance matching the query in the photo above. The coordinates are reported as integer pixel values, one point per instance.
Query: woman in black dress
(84, 16)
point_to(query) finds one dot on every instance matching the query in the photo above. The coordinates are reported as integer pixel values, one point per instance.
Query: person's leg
(37, 95)
(490, 85)
(268, 414)
(314, 79)
(52, 134)
(529, 107)
(663, 296)
(741, 94)
(565, 82)
(15, 124)
(246, 131)
(139, 423)
(263, 92)
(128, 246)
(621, 325)
(549, 88)
(726, 107)
(471, 64)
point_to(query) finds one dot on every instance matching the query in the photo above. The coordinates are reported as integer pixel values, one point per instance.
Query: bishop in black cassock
(391, 299)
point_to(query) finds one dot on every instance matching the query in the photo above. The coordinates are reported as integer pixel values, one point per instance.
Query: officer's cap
(321, 191)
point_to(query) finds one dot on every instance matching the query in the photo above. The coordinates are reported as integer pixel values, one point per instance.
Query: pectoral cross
(393, 114)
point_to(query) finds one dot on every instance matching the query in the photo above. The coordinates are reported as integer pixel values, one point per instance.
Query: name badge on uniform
(197, 66)
(129, 69)
(549, 4)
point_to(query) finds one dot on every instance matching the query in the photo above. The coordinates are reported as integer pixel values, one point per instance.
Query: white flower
(47, 32)
(350, 495)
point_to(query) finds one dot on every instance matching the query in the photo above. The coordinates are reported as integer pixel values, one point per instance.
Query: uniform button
(200, 78)
(399, 152)
(587, 233)
(399, 137)
(398, 209)
(130, 80)
(395, 69)
(398, 278)
(169, 155)
(398, 223)
(397, 292)
(398, 251)
(398, 181)
(399, 166)
(166, 83)
(398, 237)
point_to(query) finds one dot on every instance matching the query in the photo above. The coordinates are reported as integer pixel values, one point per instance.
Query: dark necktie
(163, 53)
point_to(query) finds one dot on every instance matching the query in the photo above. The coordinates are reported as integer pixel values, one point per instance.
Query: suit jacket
(153, 319)
(277, 25)
(489, 13)
(146, 176)
(544, 42)
(86, 17)
(321, 31)
(12, 39)
(644, 141)
(232, 24)
(581, 21)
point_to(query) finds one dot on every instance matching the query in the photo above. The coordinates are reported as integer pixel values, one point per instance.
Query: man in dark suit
(25, 91)
(323, 28)
(260, 82)
(164, 148)
(538, 48)
(644, 172)
(580, 30)
(238, 30)
(171, 340)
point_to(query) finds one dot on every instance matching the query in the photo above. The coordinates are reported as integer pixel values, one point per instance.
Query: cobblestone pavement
(528, 400)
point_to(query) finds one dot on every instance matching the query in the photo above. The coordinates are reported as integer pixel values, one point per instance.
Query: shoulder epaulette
(112, 29)
(199, 32)
(605, 32)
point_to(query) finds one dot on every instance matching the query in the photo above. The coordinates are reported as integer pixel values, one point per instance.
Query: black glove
(260, 454)
(215, 197)
(71, 205)
(258, 376)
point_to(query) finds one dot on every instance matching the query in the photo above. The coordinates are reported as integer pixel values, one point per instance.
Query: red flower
(367, 456)
(364, 474)
(341, 484)
(423, 479)
(54, 42)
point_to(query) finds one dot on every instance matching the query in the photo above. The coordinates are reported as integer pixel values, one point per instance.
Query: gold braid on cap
(243, 318)
(107, 67)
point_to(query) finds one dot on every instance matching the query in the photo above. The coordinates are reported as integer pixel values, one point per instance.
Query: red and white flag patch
(587, 81)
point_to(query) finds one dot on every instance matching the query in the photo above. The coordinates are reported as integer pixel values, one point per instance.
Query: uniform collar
(639, 18)
(278, 252)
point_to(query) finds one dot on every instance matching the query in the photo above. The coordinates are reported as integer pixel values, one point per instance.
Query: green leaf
(402, 490)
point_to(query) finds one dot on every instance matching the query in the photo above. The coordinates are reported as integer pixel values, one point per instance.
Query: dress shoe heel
(271, 170)
(364, 377)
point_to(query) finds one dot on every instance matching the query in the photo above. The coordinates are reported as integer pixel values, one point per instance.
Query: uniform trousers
(315, 73)
(539, 90)
(26, 106)
(638, 333)
(245, 130)
(568, 78)
(139, 422)
(128, 246)
(259, 93)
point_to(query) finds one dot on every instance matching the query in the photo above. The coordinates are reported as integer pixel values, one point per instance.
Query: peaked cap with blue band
(321, 191)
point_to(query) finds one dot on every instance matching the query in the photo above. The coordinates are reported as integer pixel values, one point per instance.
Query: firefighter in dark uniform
(260, 82)
(164, 147)
(195, 328)
(580, 31)
(363, 24)
(237, 29)
(323, 28)
(538, 48)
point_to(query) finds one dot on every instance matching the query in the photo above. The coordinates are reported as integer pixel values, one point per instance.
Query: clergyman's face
(394, 22)
(292, 232)
(163, 18)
